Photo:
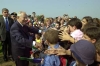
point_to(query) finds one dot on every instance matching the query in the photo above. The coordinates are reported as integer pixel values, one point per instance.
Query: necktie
(7, 25)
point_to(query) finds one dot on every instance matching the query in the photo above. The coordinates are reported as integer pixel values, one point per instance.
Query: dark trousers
(21, 62)
(6, 46)
(24, 53)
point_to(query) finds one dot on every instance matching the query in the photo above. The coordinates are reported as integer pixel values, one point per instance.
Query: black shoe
(5, 58)
(10, 58)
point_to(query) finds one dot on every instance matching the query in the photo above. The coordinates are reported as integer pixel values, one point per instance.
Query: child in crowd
(74, 29)
(90, 24)
(38, 38)
(37, 43)
(91, 34)
(74, 26)
(85, 20)
(92, 30)
(57, 26)
(97, 57)
(97, 61)
(51, 37)
(83, 52)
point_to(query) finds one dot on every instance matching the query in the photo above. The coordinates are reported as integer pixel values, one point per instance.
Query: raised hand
(64, 36)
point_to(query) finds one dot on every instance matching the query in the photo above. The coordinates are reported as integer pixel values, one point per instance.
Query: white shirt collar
(5, 17)
(21, 24)
(74, 64)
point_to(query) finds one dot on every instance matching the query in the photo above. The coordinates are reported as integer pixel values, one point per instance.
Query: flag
(34, 47)
(37, 60)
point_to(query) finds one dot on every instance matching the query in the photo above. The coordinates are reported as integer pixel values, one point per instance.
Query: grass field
(1, 59)
(2, 62)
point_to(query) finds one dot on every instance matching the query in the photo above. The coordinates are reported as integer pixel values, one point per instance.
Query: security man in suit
(14, 16)
(5, 24)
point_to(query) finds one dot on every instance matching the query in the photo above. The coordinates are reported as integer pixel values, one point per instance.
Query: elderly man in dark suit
(5, 24)
(21, 45)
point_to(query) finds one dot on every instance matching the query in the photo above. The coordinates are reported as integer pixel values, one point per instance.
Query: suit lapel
(3, 22)
(9, 20)
(22, 30)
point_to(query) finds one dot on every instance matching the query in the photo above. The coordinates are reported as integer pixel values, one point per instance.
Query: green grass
(0, 48)
(1, 55)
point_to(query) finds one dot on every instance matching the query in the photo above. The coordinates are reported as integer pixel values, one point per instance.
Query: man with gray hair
(5, 24)
(21, 45)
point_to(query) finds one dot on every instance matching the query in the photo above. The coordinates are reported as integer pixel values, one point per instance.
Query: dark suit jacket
(20, 40)
(3, 27)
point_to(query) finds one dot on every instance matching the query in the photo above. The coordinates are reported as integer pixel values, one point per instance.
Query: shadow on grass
(0, 47)
(1, 59)
(1, 55)
(2, 62)
(0, 50)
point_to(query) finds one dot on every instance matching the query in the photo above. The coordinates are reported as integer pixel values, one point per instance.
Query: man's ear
(93, 41)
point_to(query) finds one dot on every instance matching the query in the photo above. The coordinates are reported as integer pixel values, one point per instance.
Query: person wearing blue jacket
(51, 37)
